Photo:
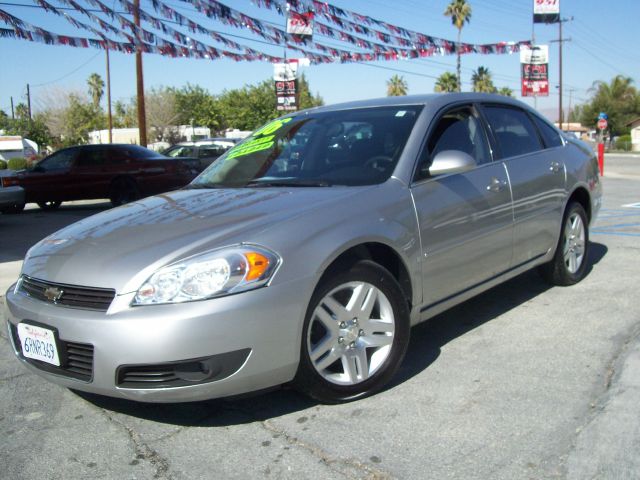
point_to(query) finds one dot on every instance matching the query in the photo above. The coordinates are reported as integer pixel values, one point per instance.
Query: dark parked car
(205, 151)
(122, 173)
(308, 264)
(10, 195)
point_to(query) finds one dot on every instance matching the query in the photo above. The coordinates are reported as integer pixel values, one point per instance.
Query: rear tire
(49, 205)
(355, 334)
(122, 191)
(569, 264)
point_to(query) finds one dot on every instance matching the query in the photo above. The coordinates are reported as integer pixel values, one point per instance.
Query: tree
(80, 117)
(460, 13)
(396, 86)
(197, 105)
(125, 115)
(482, 82)
(447, 82)
(96, 88)
(32, 128)
(619, 99)
(162, 116)
(506, 91)
(305, 97)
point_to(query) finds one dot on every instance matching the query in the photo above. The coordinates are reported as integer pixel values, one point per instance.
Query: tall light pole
(142, 117)
(109, 118)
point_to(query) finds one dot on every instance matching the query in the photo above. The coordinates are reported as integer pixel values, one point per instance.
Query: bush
(3, 165)
(17, 163)
(623, 143)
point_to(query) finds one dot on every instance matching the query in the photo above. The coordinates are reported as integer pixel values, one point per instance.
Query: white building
(187, 133)
(635, 135)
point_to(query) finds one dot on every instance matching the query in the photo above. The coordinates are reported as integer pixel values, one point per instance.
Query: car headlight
(211, 274)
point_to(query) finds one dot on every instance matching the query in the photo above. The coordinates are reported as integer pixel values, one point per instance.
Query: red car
(122, 173)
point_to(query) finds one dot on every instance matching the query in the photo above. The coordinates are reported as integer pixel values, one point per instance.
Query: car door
(51, 179)
(465, 219)
(90, 172)
(537, 178)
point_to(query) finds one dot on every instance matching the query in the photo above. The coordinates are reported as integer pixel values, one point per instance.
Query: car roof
(434, 100)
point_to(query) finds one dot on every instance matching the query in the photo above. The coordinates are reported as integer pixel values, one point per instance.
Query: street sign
(603, 115)
(602, 124)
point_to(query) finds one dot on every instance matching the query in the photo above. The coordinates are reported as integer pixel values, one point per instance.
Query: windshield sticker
(252, 146)
(261, 139)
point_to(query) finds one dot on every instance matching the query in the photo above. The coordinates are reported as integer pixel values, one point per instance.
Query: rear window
(513, 130)
(550, 135)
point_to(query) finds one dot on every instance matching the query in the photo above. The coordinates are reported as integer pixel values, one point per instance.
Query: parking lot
(523, 381)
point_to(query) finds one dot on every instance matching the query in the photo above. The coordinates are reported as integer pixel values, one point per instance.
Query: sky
(602, 43)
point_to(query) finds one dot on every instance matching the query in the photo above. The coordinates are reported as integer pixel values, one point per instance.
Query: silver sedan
(305, 254)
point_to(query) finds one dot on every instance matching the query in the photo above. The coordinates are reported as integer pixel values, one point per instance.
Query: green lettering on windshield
(252, 146)
(261, 139)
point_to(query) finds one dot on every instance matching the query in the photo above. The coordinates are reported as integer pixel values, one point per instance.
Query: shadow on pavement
(427, 339)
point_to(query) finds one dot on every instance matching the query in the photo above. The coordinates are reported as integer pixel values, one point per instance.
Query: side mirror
(451, 161)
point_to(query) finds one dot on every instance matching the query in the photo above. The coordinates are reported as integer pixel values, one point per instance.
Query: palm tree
(460, 13)
(447, 82)
(506, 91)
(96, 88)
(482, 81)
(396, 86)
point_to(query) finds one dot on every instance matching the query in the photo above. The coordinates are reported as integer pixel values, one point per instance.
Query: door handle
(496, 185)
(555, 167)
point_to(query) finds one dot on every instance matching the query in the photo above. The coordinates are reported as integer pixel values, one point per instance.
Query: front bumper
(250, 341)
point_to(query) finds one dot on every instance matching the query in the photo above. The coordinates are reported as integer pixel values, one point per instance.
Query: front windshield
(346, 147)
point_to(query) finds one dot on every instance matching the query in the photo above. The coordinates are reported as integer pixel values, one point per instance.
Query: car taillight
(10, 181)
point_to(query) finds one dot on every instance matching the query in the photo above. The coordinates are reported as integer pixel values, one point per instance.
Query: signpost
(602, 126)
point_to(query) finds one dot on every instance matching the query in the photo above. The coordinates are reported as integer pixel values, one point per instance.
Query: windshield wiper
(288, 183)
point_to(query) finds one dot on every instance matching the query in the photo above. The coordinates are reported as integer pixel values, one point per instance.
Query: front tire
(355, 334)
(569, 264)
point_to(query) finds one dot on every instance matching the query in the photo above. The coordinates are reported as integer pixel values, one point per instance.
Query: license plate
(38, 343)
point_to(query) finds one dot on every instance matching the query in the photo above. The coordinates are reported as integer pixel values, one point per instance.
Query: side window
(550, 135)
(513, 130)
(91, 158)
(206, 151)
(58, 161)
(458, 130)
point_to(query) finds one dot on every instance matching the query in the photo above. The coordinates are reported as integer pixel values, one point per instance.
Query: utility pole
(29, 101)
(560, 42)
(13, 115)
(560, 73)
(109, 118)
(142, 117)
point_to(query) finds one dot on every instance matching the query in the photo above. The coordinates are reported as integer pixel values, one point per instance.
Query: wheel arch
(380, 253)
(581, 196)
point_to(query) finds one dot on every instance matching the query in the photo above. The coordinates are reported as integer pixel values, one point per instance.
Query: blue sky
(604, 43)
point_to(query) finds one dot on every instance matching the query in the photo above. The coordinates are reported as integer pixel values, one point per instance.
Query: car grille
(77, 363)
(68, 295)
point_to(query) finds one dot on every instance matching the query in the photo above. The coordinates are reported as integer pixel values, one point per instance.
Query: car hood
(122, 247)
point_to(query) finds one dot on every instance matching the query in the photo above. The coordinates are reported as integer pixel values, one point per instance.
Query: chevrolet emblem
(53, 294)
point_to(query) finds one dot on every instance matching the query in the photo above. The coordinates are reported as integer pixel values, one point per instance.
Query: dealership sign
(534, 64)
(546, 11)
(285, 76)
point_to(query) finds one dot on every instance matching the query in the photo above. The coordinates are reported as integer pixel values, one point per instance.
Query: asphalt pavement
(522, 382)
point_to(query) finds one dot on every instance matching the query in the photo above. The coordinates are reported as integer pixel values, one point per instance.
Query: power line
(68, 74)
